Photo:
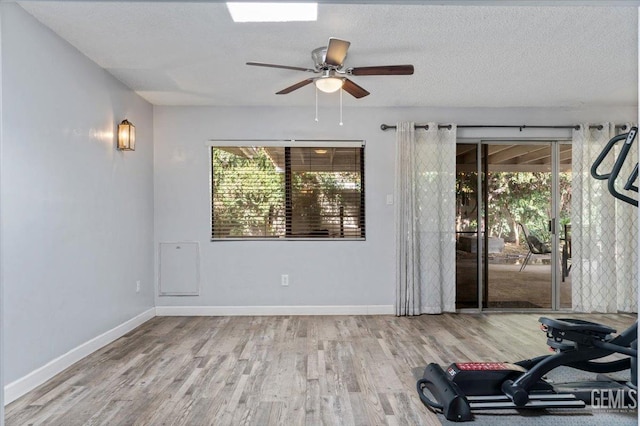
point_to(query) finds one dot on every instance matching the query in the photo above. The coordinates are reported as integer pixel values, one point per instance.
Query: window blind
(281, 191)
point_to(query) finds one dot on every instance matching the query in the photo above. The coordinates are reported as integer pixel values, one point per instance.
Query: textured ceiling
(464, 56)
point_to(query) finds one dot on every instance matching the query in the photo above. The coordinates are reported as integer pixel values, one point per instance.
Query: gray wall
(76, 228)
(320, 272)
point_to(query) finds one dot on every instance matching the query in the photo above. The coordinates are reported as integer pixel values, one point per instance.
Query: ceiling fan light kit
(329, 61)
(329, 84)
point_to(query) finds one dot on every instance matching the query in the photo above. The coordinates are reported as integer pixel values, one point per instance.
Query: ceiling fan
(329, 63)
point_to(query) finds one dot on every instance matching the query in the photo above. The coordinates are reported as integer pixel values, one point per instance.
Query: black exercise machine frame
(580, 356)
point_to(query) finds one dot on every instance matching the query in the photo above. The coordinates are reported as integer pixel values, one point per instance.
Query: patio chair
(536, 247)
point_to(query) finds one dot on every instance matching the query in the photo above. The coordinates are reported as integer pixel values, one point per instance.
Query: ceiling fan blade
(383, 70)
(336, 51)
(295, 87)
(353, 89)
(286, 67)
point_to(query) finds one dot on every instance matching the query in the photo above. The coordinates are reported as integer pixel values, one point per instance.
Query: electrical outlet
(138, 286)
(284, 280)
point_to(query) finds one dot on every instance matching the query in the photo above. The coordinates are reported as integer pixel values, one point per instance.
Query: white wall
(324, 273)
(76, 230)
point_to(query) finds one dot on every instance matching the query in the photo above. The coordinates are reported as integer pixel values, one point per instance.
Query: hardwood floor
(293, 370)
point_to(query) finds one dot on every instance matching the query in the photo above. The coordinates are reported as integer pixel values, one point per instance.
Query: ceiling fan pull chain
(341, 107)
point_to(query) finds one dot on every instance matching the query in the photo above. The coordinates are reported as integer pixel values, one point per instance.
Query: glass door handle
(552, 226)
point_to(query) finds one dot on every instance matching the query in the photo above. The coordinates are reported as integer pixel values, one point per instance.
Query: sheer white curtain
(425, 219)
(604, 230)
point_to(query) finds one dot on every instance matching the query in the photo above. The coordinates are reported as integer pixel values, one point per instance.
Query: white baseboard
(16, 389)
(274, 310)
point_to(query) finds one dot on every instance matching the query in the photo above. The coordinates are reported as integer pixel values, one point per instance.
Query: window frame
(288, 143)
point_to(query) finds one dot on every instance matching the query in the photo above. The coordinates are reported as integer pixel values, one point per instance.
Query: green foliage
(514, 197)
(248, 194)
(524, 197)
(317, 197)
(519, 197)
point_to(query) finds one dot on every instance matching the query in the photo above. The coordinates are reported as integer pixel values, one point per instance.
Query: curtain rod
(490, 126)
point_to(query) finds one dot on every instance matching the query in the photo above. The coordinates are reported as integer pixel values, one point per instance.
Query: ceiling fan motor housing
(319, 56)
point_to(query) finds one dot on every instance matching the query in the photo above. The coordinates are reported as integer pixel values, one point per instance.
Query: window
(290, 190)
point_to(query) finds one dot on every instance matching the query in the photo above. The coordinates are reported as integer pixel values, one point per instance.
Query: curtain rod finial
(384, 127)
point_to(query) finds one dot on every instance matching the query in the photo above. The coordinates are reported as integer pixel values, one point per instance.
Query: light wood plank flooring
(289, 370)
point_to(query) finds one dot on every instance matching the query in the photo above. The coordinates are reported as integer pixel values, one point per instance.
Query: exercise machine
(464, 388)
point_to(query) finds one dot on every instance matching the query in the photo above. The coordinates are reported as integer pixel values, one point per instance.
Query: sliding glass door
(517, 194)
(563, 231)
(468, 229)
(513, 229)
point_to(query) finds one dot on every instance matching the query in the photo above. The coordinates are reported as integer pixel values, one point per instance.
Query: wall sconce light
(126, 136)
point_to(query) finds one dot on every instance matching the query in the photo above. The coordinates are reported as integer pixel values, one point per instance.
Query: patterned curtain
(425, 219)
(604, 230)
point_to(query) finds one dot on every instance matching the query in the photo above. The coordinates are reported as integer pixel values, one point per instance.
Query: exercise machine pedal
(503, 402)
(467, 387)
